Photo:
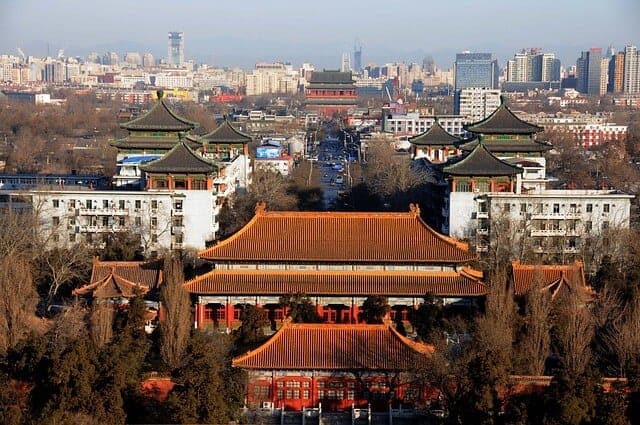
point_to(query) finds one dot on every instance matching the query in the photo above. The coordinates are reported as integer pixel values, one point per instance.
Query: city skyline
(241, 35)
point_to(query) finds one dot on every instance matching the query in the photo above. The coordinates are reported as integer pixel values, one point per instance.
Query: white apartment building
(413, 123)
(475, 103)
(163, 220)
(552, 221)
(270, 78)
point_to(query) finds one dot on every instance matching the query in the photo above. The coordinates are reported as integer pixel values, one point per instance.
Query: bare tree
(574, 333)
(59, 267)
(18, 299)
(101, 323)
(176, 324)
(619, 327)
(535, 339)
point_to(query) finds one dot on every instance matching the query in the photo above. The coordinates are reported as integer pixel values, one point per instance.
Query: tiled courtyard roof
(551, 277)
(353, 237)
(481, 162)
(434, 136)
(180, 159)
(145, 273)
(334, 347)
(503, 121)
(466, 283)
(226, 133)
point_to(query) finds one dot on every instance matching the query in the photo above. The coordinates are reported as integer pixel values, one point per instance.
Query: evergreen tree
(176, 326)
(428, 318)
(207, 391)
(300, 308)
(251, 332)
(374, 309)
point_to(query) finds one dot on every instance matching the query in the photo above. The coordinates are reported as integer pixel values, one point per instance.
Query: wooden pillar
(511, 185)
(355, 312)
(319, 309)
(453, 185)
(228, 314)
(491, 185)
(314, 390)
(473, 185)
(170, 183)
(274, 389)
(209, 182)
(189, 182)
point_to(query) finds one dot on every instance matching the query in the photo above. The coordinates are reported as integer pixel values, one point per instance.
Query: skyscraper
(631, 80)
(476, 70)
(589, 72)
(533, 66)
(357, 57)
(175, 53)
(346, 62)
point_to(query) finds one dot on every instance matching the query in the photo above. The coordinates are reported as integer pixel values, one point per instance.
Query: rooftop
(160, 117)
(339, 237)
(335, 347)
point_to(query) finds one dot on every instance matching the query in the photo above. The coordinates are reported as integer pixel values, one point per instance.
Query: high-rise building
(533, 66)
(476, 70)
(357, 57)
(631, 80)
(148, 60)
(429, 65)
(133, 59)
(475, 103)
(616, 73)
(589, 72)
(345, 65)
(175, 53)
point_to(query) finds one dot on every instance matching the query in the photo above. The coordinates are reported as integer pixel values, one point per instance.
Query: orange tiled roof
(145, 273)
(554, 276)
(306, 346)
(339, 237)
(356, 283)
(112, 286)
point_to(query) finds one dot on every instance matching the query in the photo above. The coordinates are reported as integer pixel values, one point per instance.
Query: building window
(606, 208)
(138, 221)
(154, 222)
(105, 203)
(56, 203)
(55, 221)
(177, 205)
(121, 204)
(589, 208)
(463, 186)
(523, 208)
(261, 392)
(180, 184)
(154, 238)
(105, 221)
(506, 208)
(138, 204)
(89, 204)
(605, 225)
(122, 221)
(588, 226)
(556, 208)
(154, 205)
(72, 221)
(199, 185)
(72, 237)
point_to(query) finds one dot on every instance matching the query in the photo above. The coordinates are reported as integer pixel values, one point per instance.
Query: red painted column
(355, 312)
(319, 309)
(196, 317)
(228, 311)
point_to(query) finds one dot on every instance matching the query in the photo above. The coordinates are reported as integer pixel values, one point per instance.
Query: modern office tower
(357, 57)
(589, 72)
(475, 103)
(345, 65)
(148, 60)
(175, 53)
(631, 83)
(93, 57)
(611, 52)
(476, 70)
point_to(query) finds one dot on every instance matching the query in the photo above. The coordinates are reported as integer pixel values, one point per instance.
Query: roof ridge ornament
(261, 208)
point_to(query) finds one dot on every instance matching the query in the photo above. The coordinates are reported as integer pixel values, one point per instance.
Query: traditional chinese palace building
(338, 366)
(155, 132)
(330, 92)
(337, 259)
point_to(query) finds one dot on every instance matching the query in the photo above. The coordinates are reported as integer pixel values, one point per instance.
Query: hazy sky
(240, 33)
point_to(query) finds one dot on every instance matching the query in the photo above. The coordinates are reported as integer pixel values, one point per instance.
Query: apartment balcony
(104, 211)
(482, 249)
(556, 216)
(178, 212)
(177, 245)
(548, 232)
(482, 231)
(482, 214)
(177, 230)
(571, 250)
